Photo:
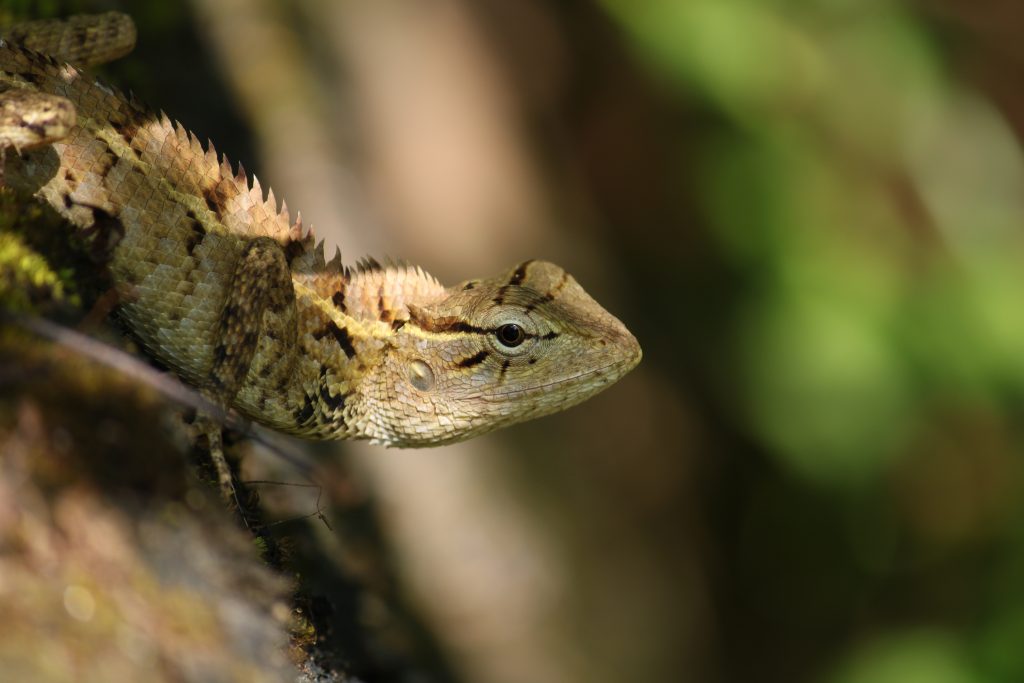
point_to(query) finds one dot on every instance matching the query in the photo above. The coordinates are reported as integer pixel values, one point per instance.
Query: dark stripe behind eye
(444, 325)
(476, 359)
(454, 325)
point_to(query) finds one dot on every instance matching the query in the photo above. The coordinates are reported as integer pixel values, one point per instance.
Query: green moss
(25, 277)
(39, 266)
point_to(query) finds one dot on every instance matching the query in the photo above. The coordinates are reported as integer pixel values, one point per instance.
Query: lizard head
(494, 352)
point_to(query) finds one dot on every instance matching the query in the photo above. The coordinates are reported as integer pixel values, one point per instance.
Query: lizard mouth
(607, 378)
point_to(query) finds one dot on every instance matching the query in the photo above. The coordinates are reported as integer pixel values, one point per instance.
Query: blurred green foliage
(872, 201)
(913, 658)
(875, 200)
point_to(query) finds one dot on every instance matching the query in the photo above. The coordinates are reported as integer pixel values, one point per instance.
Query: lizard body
(218, 283)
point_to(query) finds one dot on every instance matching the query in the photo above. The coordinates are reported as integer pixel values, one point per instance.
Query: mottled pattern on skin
(219, 284)
(84, 40)
(29, 120)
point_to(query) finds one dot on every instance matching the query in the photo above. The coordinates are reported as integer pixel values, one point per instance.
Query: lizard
(218, 284)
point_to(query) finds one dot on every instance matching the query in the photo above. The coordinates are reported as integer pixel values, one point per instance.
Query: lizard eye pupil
(510, 335)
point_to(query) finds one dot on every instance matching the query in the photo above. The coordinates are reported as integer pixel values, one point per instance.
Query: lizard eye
(510, 335)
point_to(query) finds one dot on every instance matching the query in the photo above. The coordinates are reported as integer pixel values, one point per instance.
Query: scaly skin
(218, 284)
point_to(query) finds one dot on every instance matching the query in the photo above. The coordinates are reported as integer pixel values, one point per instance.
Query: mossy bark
(117, 560)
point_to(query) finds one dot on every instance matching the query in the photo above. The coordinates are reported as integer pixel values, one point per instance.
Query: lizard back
(170, 215)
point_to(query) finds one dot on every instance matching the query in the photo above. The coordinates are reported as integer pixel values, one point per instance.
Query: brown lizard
(217, 283)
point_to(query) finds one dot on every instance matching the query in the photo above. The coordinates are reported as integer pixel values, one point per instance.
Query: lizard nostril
(421, 376)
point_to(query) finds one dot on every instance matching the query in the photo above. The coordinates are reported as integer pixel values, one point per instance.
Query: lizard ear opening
(420, 375)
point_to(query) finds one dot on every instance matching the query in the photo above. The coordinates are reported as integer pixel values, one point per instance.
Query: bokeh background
(811, 214)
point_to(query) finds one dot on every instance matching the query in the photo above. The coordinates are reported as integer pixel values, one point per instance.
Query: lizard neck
(385, 294)
(347, 320)
(373, 294)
